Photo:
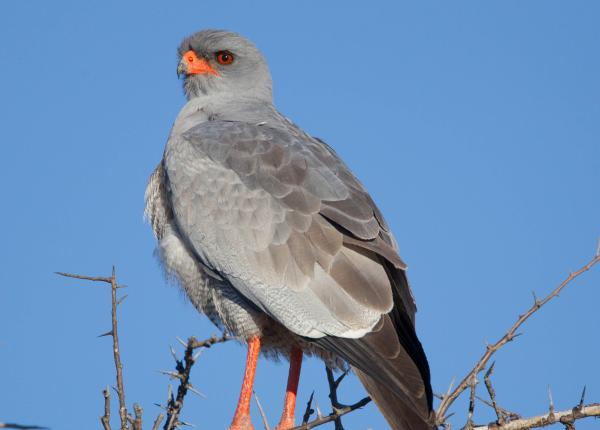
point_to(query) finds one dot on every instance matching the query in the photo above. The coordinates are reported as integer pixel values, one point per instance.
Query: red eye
(224, 57)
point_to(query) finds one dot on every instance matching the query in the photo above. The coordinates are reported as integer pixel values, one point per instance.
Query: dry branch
(20, 426)
(567, 417)
(338, 409)
(105, 419)
(123, 415)
(183, 369)
(263, 415)
(508, 336)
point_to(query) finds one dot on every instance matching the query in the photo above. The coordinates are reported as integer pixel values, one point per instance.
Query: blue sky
(475, 125)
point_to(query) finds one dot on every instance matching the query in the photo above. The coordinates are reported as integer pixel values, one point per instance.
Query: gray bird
(275, 240)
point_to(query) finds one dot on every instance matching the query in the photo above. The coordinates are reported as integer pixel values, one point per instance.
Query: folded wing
(285, 221)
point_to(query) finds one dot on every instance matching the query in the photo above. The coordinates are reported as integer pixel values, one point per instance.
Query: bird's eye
(224, 57)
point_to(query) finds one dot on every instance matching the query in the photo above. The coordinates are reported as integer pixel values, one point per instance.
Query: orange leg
(289, 405)
(241, 418)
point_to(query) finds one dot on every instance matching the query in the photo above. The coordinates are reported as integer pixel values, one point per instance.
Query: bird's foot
(286, 422)
(241, 422)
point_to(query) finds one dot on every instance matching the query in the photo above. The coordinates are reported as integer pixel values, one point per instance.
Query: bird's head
(221, 63)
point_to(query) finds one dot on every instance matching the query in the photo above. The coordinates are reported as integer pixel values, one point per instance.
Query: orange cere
(197, 66)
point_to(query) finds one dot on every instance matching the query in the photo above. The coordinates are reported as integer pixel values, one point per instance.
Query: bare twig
(508, 415)
(157, 421)
(115, 336)
(565, 417)
(508, 336)
(473, 386)
(333, 386)
(20, 426)
(105, 419)
(207, 343)
(182, 372)
(338, 409)
(337, 413)
(263, 416)
(137, 423)
(501, 414)
(309, 410)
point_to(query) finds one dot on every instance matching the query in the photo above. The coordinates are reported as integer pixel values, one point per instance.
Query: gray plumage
(270, 234)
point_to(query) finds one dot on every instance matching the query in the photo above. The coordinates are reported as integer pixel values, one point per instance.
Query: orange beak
(190, 64)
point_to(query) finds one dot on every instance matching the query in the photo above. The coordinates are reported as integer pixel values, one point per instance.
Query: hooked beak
(190, 64)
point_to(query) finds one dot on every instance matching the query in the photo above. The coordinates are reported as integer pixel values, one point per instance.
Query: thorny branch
(338, 409)
(467, 381)
(105, 419)
(512, 421)
(567, 418)
(183, 370)
(123, 415)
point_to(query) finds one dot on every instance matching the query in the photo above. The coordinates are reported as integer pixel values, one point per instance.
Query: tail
(397, 413)
(391, 363)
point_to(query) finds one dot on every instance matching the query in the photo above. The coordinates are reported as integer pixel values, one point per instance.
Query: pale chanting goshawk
(275, 240)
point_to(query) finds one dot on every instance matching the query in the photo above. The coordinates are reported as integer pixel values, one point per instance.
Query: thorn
(580, 405)
(551, 400)
(516, 335)
(173, 353)
(490, 370)
(122, 299)
(170, 393)
(170, 374)
(193, 390)
(450, 386)
(438, 396)
(309, 410)
(598, 248)
(196, 355)
(536, 302)
(160, 406)
(182, 342)
(185, 424)
(108, 333)
(319, 414)
(340, 378)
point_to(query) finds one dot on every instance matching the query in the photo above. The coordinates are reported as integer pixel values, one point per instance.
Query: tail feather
(397, 413)
(391, 363)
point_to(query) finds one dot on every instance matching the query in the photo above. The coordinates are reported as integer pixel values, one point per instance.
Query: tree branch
(508, 336)
(123, 415)
(20, 426)
(338, 409)
(183, 370)
(105, 419)
(565, 417)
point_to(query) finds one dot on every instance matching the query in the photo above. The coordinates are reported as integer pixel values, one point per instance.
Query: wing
(285, 221)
